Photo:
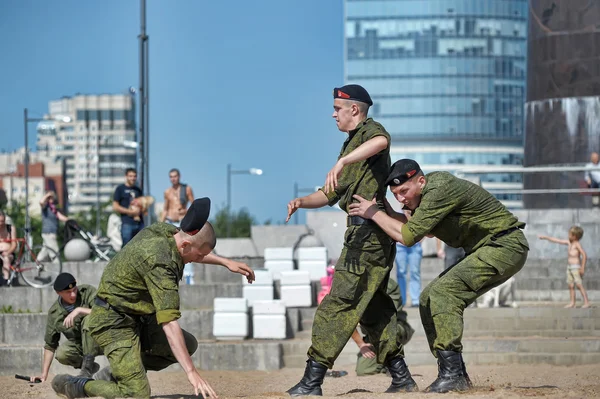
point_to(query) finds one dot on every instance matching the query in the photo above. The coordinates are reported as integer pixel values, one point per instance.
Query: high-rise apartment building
(92, 143)
(447, 78)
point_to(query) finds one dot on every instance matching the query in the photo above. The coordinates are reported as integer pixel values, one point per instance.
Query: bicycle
(35, 272)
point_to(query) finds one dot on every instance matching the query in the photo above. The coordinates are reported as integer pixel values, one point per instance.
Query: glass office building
(447, 78)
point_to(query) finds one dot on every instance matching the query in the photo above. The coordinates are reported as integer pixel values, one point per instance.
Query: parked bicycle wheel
(44, 270)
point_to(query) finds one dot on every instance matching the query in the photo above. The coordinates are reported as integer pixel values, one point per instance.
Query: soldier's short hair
(576, 231)
(206, 236)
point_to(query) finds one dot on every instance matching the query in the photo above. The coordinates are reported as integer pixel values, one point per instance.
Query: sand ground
(506, 381)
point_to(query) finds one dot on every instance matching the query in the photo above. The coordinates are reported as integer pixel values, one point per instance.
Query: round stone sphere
(77, 250)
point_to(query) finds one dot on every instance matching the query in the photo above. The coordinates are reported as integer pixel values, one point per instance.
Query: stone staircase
(539, 331)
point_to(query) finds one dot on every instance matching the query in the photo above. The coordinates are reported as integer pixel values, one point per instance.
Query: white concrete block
(235, 305)
(285, 253)
(269, 307)
(230, 326)
(295, 277)
(263, 277)
(316, 268)
(268, 326)
(312, 253)
(278, 266)
(254, 293)
(296, 296)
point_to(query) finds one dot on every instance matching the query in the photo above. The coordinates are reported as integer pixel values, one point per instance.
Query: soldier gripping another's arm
(463, 215)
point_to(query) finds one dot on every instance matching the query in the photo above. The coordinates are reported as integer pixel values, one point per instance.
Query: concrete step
(558, 351)
(238, 356)
(29, 299)
(91, 273)
(28, 329)
(555, 296)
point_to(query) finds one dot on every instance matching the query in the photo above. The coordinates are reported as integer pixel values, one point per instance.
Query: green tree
(87, 220)
(240, 223)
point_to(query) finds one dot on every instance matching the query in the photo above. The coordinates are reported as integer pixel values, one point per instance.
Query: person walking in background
(124, 194)
(50, 218)
(576, 260)
(592, 177)
(177, 199)
(408, 259)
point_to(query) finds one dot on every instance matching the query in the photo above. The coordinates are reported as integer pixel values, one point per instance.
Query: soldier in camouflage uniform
(366, 363)
(134, 318)
(363, 268)
(68, 316)
(464, 215)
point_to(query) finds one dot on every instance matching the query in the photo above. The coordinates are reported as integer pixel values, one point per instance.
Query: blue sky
(246, 83)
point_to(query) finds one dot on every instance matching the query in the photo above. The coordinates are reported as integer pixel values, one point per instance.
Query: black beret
(64, 281)
(402, 171)
(353, 92)
(196, 216)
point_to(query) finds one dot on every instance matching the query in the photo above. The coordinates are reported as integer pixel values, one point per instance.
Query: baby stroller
(101, 248)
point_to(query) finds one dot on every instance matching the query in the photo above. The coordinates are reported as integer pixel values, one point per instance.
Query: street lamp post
(26, 120)
(251, 171)
(297, 191)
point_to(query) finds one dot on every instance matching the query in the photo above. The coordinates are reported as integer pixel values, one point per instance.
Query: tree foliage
(240, 223)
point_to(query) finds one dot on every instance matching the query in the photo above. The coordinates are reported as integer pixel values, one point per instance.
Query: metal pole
(228, 200)
(142, 130)
(98, 233)
(26, 164)
(295, 196)
(147, 122)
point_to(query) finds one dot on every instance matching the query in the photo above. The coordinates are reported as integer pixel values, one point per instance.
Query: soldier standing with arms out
(363, 268)
(134, 318)
(68, 316)
(461, 214)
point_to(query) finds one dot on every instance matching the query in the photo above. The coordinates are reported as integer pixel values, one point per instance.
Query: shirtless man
(8, 235)
(177, 198)
(176, 201)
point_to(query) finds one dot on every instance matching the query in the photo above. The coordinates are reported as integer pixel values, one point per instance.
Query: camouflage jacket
(143, 278)
(458, 212)
(57, 315)
(365, 178)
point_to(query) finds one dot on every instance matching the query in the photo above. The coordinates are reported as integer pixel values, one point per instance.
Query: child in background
(576, 259)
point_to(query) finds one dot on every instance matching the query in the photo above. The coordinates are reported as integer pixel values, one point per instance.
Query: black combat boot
(464, 369)
(70, 386)
(452, 373)
(104, 375)
(310, 384)
(401, 378)
(88, 366)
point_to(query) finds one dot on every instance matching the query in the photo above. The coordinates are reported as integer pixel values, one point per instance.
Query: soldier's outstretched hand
(200, 386)
(363, 208)
(292, 207)
(331, 181)
(241, 268)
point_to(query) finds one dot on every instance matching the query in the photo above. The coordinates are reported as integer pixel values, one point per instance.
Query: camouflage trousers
(443, 301)
(71, 352)
(358, 288)
(133, 345)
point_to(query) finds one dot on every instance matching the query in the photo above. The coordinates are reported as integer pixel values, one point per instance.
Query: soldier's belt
(103, 304)
(504, 232)
(357, 221)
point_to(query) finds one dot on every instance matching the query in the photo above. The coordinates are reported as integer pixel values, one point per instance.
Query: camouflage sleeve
(162, 285)
(87, 300)
(434, 207)
(52, 336)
